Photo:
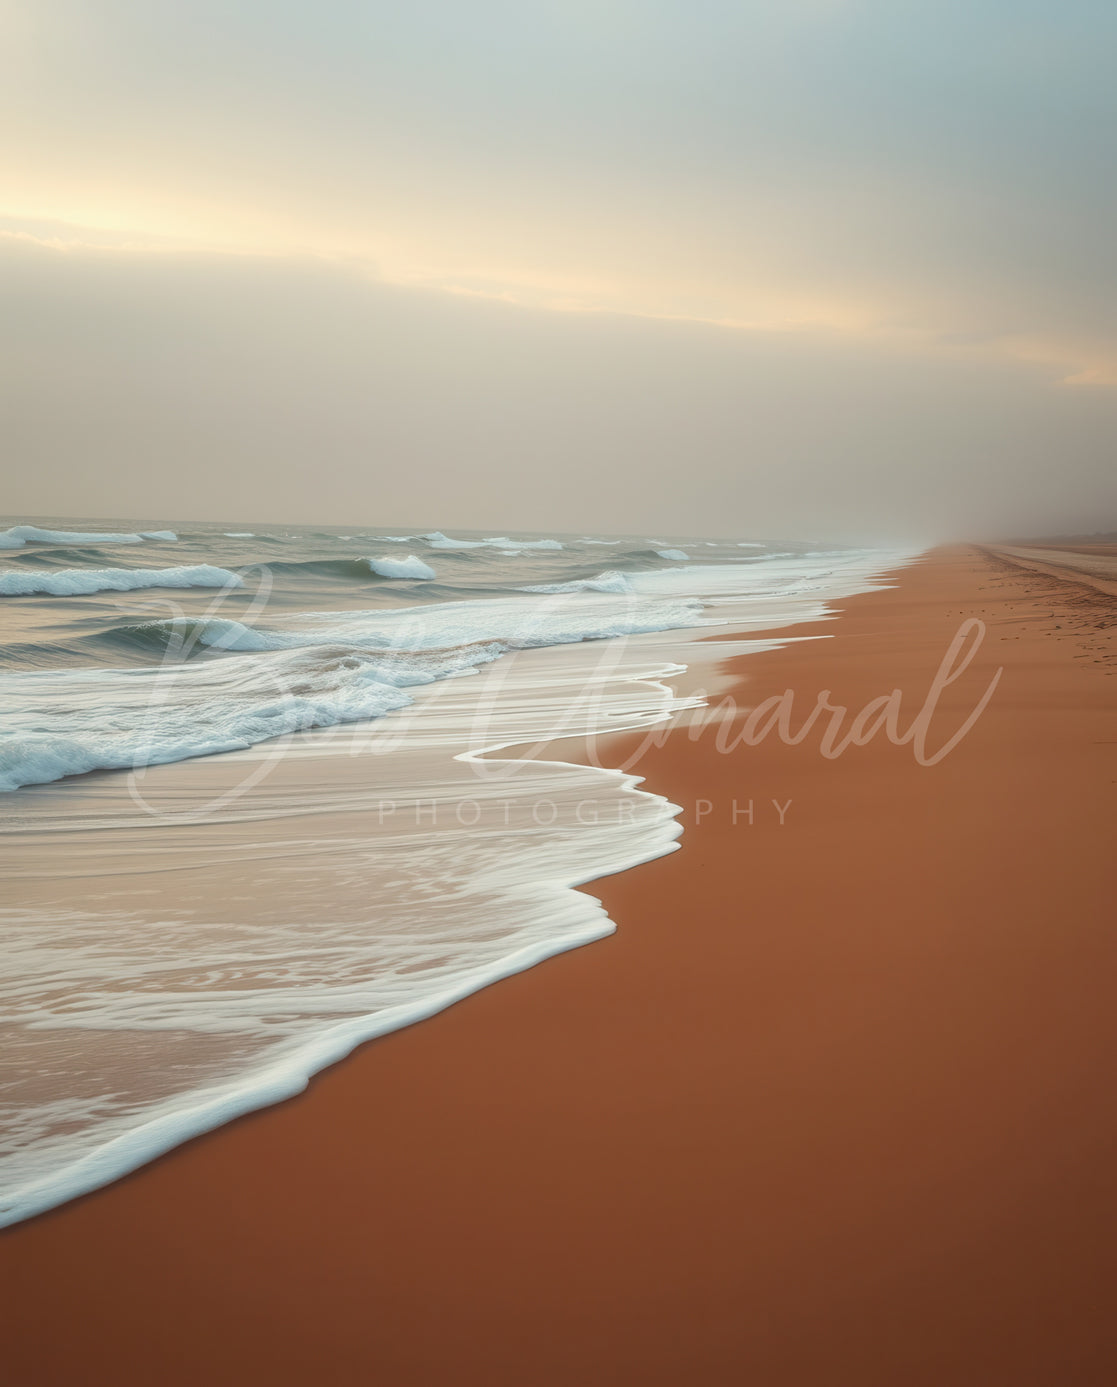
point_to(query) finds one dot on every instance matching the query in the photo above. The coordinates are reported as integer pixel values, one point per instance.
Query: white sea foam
(672, 554)
(604, 582)
(19, 535)
(254, 916)
(517, 623)
(239, 534)
(409, 567)
(317, 669)
(437, 540)
(68, 722)
(246, 972)
(68, 582)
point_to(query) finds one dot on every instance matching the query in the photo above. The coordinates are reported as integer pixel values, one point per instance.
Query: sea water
(271, 792)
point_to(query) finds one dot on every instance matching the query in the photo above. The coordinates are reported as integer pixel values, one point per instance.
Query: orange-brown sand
(834, 1105)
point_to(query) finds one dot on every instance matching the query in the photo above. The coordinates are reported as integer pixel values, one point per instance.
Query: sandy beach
(832, 1106)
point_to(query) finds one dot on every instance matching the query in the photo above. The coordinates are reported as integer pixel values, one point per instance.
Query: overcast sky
(799, 266)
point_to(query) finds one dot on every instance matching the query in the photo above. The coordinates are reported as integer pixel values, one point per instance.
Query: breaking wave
(409, 567)
(611, 581)
(71, 582)
(314, 670)
(19, 535)
(68, 722)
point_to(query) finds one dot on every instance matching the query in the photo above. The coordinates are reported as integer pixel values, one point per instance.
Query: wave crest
(19, 535)
(72, 582)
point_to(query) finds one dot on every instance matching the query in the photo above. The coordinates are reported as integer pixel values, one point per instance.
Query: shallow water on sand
(385, 820)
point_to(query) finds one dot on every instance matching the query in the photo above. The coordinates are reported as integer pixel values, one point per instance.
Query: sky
(839, 267)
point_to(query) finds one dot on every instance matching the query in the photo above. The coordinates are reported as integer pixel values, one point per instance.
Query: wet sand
(1094, 567)
(833, 1106)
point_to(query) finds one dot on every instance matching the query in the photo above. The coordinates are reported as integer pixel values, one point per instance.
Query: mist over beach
(835, 269)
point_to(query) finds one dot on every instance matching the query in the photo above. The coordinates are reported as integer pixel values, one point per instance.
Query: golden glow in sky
(920, 182)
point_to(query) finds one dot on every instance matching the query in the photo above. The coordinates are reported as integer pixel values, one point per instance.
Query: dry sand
(834, 1106)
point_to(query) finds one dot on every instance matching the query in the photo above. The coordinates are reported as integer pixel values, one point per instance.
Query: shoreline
(830, 1105)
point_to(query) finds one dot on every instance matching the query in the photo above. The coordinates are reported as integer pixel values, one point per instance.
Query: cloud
(929, 169)
(832, 246)
(162, 384)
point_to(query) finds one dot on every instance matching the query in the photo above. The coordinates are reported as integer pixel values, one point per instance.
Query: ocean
(267, 792)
